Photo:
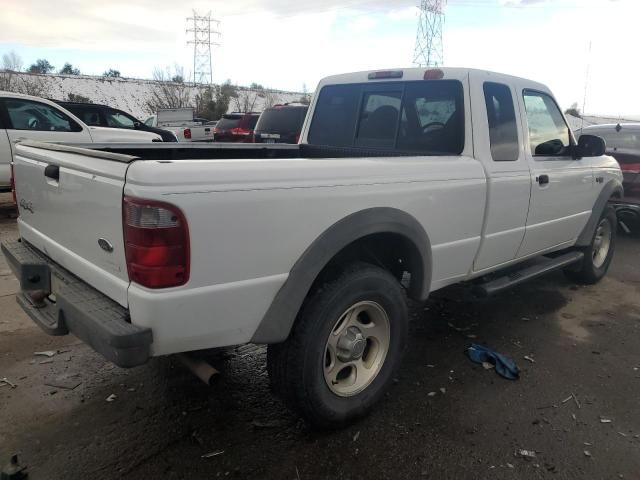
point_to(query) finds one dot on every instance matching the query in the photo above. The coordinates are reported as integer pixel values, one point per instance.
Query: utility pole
(429, 50)
(200, 27)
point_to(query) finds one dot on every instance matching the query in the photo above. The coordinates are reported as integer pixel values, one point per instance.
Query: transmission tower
(429, 51)
(200, 28)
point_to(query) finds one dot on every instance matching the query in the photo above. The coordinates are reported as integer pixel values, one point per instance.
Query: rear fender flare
(278, 321)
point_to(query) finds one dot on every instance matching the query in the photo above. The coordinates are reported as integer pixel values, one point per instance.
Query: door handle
(52, 171)
(543, 179)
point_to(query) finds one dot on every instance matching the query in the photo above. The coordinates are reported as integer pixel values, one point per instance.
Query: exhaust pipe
(201, 369)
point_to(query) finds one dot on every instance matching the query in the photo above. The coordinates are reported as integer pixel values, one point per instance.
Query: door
(32, 120)
(497, 142)
(5, 159)
(562, 187)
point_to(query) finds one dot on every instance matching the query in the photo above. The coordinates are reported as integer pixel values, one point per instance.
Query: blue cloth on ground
(504, 366)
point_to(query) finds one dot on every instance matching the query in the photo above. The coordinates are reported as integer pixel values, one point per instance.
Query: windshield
(281, 120)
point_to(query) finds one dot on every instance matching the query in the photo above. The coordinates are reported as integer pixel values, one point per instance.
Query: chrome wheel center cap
(351, 345)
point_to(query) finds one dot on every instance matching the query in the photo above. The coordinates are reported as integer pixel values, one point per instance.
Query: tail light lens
(156, 239)
(12, 182)
(187, 133)
(240, 131)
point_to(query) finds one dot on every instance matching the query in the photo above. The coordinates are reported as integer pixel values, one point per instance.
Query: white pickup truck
(181, 122)
(23, 117)
(405, 181)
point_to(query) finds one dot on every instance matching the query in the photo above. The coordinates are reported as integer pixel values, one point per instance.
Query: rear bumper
(78, 308)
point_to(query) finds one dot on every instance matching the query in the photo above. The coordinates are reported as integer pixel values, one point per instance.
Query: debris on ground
(48, 360)
(576, 400)
(267, 423)
(5, 382)
(567, 399)
(605, 420)
(510, 465)
(529, 358)
(488, 366)
(45, 353)
(587, 453)
(505, 367)
(443, 390)
(431, 394)
(64, 381)
(111, 398)
(356, 436)
(527, 454)
(212, 454)
(13, 470)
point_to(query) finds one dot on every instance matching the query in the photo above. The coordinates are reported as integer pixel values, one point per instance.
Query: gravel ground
(443, 418)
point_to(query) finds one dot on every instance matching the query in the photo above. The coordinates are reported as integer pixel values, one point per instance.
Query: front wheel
(599, 254)
(344, 348)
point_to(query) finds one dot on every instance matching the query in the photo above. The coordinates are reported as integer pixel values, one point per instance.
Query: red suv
(236, 127)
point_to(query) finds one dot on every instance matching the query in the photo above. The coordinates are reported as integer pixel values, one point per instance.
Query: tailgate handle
(52, 171)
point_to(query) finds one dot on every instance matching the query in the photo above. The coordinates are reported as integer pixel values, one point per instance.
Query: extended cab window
(548, 132)
(501, 115)
(425, 117)
(30, 115)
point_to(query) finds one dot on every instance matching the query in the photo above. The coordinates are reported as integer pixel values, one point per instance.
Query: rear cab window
(228, 122)
(422, 117)
(25, 114)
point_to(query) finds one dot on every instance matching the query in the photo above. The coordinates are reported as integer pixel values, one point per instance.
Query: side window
(118, 120)
(90, 116)
(548, 132)
(335, 116)
(30, 115)
(149, 122)
(503, 130)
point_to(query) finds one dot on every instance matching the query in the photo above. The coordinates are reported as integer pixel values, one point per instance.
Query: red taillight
(630, 167)
(240, 131)
(156, 240)
(187, 133)
(12, 182)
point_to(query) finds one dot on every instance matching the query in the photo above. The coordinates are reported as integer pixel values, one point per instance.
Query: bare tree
(245, 99)
(11, 61)
(167, 92)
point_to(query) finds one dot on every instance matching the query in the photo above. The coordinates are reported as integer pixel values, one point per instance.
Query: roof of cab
(413, 74)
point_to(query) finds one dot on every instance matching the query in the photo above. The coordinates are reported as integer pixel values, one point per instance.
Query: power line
(202, 42)
(429, 51)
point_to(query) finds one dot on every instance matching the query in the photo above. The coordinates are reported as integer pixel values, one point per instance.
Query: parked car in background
(623, 143)
(24, 117)
(280, 124)
(104, 116)
(236, 127)
(183, 123)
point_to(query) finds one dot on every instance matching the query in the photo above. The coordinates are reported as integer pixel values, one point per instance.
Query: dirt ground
(577, 405)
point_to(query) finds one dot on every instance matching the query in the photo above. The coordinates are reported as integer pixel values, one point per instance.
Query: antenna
(429, 49)
(200, 27)
(586, 84)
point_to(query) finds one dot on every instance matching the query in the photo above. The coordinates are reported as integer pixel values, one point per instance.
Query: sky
(573, 46)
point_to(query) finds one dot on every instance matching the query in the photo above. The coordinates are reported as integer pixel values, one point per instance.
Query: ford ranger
(404, 182)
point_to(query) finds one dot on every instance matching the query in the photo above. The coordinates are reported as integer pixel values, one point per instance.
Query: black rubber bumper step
(548, 265)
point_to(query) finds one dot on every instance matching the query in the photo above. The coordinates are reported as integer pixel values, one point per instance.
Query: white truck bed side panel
(244, 243)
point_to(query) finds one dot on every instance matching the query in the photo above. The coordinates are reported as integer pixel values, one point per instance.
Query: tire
(341, 330)
(596, 260)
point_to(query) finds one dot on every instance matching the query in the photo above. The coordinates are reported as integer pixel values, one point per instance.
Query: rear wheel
(598, 255)
(344, 349)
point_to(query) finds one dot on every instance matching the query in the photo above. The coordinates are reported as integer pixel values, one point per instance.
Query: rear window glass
(229, 121)
(253, 119)
(501, 115)
(281, 120)
(623, 139)
(425, 117)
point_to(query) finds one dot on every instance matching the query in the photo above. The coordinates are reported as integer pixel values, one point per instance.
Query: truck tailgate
(70, 205)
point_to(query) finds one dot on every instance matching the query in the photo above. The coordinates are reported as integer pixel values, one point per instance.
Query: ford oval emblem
(105, 245)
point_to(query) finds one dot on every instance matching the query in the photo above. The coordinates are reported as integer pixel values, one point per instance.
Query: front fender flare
(278, 321)
(611, 189)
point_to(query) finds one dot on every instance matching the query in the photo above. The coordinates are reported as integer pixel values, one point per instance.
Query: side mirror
(590, 146)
